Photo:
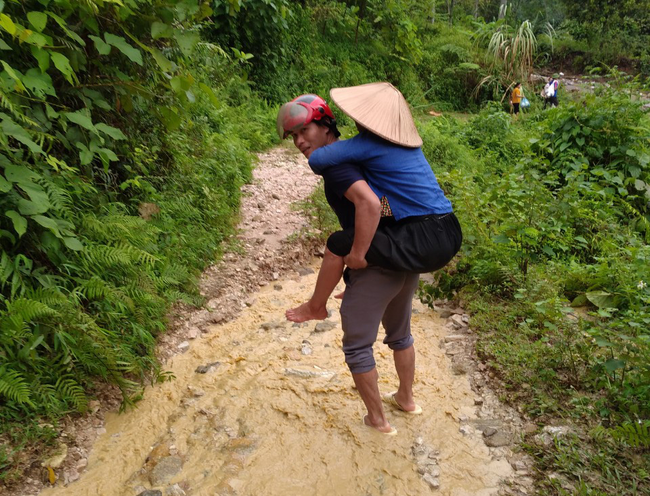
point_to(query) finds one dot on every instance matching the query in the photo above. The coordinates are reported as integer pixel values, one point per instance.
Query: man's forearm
(367, 211)
(366, 220)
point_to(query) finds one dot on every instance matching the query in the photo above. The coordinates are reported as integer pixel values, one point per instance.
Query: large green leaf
(5, 186)
(614, 364)
(27, 207)
(186, 41)
(122, 45)
(113, 132)
(13, 74)
(19, 222)
(102, 47)
(161, 30)
(73, 243)
(19, 133)
(179, 84)
(37, 19)
(48, 223)
(39, 83)
(62, 63)
(19, 174)
(170, 118)
(7, 24)
(42, 57)
(85, 155)
(81, 119)
(38, 39)
(210, 94)
(601, 299)
(165, 64)
(108, 155)
(36, 193)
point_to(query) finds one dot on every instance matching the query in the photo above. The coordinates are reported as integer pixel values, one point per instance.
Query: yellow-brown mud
(254, 425)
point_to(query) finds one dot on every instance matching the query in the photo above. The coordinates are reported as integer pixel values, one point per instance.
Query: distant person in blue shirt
(417, 231)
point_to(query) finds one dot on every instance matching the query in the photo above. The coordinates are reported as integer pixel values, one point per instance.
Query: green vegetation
(123, 150)
(554, 270)
(127, 128)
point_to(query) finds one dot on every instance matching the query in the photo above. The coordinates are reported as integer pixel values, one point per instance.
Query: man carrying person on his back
(373, 294)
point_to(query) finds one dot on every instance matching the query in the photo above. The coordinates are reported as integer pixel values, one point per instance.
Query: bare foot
(384, 428)
(305, 312)
(340, 295)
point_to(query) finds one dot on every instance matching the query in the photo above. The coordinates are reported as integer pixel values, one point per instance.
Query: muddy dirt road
(261, 406)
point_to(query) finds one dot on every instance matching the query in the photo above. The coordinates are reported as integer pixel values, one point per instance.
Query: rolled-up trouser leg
(368, 294)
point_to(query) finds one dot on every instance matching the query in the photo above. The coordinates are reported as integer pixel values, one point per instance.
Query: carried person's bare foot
(305, 312)
(340, 295)
(386, 428)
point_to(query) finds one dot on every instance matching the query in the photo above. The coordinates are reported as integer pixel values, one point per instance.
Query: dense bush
(554, 210)
(121, 164)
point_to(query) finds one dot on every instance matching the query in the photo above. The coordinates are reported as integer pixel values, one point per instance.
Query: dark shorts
(415, 244)
(515, 108)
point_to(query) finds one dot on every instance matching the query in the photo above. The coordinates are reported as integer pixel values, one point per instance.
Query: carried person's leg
(328, 277)
(339, 245)
(417, 245)
(420, 246)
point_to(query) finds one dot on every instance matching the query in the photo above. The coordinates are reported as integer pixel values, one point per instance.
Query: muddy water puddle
(260, 406)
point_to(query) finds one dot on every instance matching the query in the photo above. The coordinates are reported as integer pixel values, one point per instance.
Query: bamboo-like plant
(512, 51)
(510, 54)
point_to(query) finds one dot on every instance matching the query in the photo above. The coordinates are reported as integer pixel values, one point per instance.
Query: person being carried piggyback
(417, 231)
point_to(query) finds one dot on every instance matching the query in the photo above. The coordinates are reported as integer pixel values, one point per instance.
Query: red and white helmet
(301, 111)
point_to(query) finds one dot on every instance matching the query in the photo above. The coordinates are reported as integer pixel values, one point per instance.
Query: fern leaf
(634, 434)
(14, 386)
(71, 392)
(29, 310)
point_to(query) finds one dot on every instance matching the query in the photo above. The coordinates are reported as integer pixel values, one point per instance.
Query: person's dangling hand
(355, 262)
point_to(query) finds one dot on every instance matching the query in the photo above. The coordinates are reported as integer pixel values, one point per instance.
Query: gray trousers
(373, 296)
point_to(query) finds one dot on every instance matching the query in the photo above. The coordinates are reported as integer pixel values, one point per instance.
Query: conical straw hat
(380, 108)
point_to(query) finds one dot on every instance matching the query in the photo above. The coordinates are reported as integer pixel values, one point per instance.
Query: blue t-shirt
(337, 181)
(400, 174)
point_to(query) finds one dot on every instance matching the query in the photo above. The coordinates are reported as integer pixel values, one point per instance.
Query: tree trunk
(450, 11)
(476, 9)
(433, 12)
(502, 8)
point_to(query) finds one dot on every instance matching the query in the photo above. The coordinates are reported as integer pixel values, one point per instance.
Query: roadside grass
(20, 440)
(531, 371)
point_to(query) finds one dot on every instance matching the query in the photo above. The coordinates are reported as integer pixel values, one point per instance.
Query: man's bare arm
(367, 211)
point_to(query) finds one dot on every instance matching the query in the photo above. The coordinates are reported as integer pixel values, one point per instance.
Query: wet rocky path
(261, 406)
